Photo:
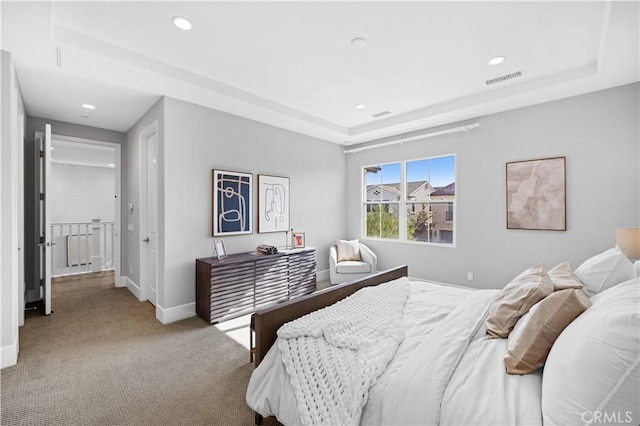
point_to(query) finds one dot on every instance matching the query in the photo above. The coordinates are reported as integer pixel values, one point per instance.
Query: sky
(439, 171)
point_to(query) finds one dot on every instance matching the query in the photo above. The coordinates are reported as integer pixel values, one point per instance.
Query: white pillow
(592, 373)
(348, 250)
(605, 270)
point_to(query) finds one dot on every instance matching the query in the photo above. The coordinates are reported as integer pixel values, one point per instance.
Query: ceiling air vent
(503, 78)
(380, 114)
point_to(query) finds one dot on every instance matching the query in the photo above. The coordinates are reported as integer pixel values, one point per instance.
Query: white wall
(11, 184)
(193, 141)
(598, 133)
(81, 193)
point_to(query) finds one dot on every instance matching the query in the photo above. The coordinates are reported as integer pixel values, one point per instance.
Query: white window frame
(404, 204)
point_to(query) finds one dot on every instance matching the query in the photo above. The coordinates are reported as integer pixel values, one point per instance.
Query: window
(382, 201)
(411, 201)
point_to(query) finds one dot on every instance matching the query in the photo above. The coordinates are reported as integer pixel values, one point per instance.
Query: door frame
(20, 207)
(145, 135)
(47, 241)
(118, 171)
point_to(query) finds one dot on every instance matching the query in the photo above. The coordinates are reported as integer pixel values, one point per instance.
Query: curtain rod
(465, 128)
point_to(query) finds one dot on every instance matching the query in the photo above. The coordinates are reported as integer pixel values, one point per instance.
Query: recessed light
(88, 106)
(497, 60)
(359, 42)
(182, 23)
(359, 106)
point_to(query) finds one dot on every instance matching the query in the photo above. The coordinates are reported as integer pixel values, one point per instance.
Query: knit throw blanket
(334, 355)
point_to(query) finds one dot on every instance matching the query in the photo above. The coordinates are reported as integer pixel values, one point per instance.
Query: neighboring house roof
(382, 193)
(416, 190)
(420, 191)
(412, 186)
(445, 190)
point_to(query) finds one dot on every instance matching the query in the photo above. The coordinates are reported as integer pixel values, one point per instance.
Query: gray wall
(193, 141)
(198, 140)
(598, 133)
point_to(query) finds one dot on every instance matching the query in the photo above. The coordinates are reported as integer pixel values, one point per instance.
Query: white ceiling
(292, 64)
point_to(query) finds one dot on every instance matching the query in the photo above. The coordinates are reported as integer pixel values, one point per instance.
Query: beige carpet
(103, 359)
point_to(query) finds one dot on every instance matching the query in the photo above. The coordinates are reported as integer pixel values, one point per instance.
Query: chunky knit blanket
(334, 355)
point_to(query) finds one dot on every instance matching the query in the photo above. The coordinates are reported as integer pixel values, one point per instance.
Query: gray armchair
(340, 272)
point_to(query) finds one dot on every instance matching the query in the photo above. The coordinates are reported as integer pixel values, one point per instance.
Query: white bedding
(462, 381)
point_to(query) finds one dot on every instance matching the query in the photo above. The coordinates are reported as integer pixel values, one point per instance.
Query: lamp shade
(628, 239)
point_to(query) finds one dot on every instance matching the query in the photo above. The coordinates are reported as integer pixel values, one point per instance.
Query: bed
(436, 364)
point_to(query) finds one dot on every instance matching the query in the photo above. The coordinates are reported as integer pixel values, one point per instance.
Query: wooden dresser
(241, 283)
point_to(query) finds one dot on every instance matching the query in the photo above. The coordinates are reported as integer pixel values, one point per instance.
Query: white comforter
(445, 371)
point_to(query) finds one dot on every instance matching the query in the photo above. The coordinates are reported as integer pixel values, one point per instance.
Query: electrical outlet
(469, 276)
(130, 270)
(130, 227)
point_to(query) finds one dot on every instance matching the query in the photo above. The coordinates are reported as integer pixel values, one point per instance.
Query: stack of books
(263, 248)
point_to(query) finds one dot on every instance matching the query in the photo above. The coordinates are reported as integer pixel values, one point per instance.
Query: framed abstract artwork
(536, 194)
(232, 203)
(273, 204)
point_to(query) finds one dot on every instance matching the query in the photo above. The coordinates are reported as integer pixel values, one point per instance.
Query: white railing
(80, 247)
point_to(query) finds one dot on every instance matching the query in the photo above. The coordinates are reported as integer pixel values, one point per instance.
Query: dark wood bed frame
(265, 323)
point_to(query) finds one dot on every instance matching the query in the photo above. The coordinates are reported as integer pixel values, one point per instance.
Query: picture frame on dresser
(297, 240)
(232, 199)
(273, 204)
(219, 249)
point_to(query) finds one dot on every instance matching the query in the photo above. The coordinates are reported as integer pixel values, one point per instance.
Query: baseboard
(121, 282)
(322, 275)
(444, 284)
(132, 287)
(9, 354)
(175, 313)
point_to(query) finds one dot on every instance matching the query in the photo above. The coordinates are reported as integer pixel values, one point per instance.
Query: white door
(45, 230)
(20, 197)
(149, 219)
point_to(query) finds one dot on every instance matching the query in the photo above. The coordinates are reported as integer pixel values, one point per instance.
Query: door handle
(146, 240)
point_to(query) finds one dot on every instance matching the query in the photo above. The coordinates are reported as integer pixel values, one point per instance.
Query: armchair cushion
(348, 250)
(340, 272)
(353, 267)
